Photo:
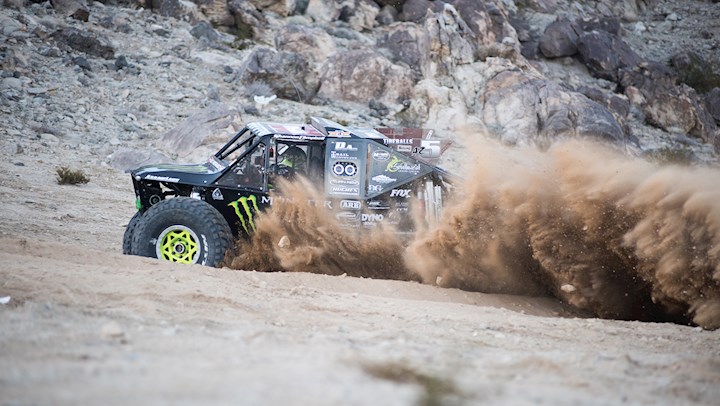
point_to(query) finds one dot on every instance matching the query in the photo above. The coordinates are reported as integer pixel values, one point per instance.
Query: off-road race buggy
(193, 213)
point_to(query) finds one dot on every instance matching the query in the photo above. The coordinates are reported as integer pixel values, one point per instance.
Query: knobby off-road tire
(183, 230)
(129, 231)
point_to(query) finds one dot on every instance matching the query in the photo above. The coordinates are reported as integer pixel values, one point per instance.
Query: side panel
(344, 167)
(239, 207)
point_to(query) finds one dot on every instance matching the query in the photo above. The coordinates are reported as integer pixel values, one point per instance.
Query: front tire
(129, 231)
(183, 230)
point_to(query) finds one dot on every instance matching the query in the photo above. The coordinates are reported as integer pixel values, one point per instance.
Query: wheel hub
(178, 244)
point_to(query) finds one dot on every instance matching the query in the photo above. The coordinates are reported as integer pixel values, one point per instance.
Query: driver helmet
(294, 157)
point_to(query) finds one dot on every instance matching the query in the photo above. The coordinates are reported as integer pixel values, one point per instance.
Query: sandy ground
(87, 325)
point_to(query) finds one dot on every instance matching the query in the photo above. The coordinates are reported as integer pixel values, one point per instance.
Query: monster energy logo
(243, 203)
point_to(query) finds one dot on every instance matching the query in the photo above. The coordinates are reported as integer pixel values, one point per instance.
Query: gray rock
(11, 83)
(559, 39)
(450, 43)
(85, 41)
(205, 31)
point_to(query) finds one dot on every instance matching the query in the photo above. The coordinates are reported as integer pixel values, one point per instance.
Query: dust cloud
(617, 236)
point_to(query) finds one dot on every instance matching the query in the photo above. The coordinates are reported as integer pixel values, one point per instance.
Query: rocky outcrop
(289, 74)
(695, 71)
(361, 75)
(521, 108)
(676, 109)
(712, 102)
(405, 42)
(85, 41)
(312, 43)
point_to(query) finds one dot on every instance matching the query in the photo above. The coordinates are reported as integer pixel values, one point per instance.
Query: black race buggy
(193, 213)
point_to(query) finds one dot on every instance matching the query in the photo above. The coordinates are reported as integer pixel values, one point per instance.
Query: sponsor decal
(244, 211)
(344, 182)
(217, 194)
(344, 169)
(266, 200)
(339, 190)
(350, 204)
(344, 147)
(372, 217)
(405, 193)
(347, 216)
(397, 165)
(341, 155)
(339, 133)
(162, 178)
(380, 155)
(374, 188)
(377, 205)
(391, 141)
(383, 179)
(404, 148)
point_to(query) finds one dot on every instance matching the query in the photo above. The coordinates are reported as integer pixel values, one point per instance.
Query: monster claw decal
(248, 211)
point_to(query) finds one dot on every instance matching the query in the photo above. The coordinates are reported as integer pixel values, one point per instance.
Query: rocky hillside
(114, 78)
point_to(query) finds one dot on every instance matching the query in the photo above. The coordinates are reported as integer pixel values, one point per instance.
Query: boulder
(289, 74)
(521, 108)
(85, 41)
(217, 12)
(76, 9)
(712, 102)
(361, 75)
(415, 10)
(695, 71)
(607, 24)
(387, 15)
(195, 130)
(312, 43)
(541, 6)
(450, 43)
(282, 8)
(559, 39)
(205, 31)
(359, 14)
(249, 22)
(179, 9)
(604, 54)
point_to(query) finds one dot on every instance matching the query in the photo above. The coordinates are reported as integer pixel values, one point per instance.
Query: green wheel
(183, 230)
(129, 230)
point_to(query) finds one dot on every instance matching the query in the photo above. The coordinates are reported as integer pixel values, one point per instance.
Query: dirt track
(86, 325)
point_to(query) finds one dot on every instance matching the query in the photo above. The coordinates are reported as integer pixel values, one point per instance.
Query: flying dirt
(618, 236)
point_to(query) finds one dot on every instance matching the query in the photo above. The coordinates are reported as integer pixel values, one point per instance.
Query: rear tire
(129, 231)
(183, 230)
